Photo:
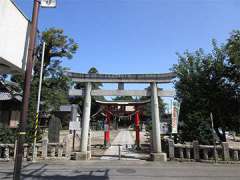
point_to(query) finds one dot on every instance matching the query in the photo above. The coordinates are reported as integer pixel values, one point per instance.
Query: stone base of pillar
(81, 155)
(158, 157)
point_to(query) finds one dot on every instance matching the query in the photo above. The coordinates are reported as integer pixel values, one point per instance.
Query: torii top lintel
(122, 78)
(123, 103)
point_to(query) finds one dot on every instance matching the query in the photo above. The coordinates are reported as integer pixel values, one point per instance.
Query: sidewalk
(117, 170)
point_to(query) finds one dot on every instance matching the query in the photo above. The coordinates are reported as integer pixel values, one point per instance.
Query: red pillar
(107, 129)
(137, 128)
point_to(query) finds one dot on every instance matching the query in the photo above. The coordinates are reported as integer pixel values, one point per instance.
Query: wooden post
(196, 150)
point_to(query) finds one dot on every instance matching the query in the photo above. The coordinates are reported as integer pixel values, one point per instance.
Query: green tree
(95, 106)
(93, 70)
(80, 100)
(55, 84)
(232, 73)
(203, 86)
(233, 48)
(123, 98)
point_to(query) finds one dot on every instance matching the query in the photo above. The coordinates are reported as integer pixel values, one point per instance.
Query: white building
(14, 33)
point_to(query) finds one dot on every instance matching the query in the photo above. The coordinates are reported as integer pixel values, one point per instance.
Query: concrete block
(81, 155)
(159, 157)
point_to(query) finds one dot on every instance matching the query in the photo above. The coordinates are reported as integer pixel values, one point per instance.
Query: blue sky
(138, 36)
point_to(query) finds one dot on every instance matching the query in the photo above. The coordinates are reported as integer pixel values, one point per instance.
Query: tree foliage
(209, 83)
(55, 84)
(80, 100)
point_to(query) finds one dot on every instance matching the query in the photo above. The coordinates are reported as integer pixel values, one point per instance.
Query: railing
(196, 152)
(44, 150)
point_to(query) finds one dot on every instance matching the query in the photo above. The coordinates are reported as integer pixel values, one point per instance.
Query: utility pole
(34, 153)
(26, 93)
(27, 83)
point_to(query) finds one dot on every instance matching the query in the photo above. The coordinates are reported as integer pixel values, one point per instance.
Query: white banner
(175, 115)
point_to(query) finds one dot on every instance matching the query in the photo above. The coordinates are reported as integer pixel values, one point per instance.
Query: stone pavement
(125, 139)
(117, 170)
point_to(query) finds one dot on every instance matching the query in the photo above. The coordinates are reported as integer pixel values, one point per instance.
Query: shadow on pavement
(62, 177)
(43, 173)
(70, 175)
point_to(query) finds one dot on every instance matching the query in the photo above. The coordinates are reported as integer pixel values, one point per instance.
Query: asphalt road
(127, 170)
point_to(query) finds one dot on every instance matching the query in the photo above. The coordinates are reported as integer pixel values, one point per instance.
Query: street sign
(48, 3)
(74, 125)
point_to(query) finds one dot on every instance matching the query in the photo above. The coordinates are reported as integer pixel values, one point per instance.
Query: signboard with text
(175, 115)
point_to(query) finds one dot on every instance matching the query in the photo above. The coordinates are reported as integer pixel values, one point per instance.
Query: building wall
(9, 113)
(14, 38)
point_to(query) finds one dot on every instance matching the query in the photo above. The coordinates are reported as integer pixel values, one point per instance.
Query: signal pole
(26, 93)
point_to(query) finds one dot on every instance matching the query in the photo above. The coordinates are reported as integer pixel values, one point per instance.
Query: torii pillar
(107, 129)
(157, 154)
(137, 129)
(84, 154)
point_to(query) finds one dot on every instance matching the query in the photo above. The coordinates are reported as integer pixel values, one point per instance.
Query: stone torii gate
(154, 92)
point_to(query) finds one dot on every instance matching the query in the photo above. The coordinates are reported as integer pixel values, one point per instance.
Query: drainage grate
(126, 171)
